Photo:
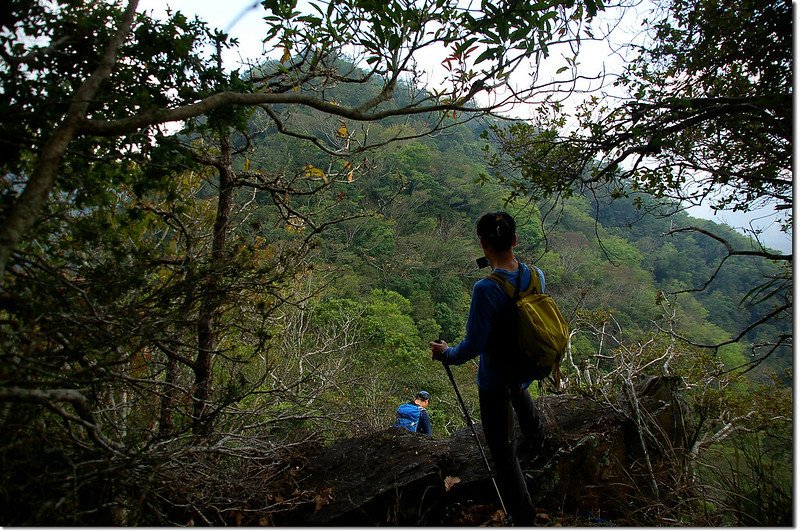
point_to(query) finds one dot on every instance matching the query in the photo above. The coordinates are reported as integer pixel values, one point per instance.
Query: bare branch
(728, 246)
(50, 398)
(160, 116)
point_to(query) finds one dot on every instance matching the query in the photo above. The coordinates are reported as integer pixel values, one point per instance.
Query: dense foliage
(701, 112)
(183, 312)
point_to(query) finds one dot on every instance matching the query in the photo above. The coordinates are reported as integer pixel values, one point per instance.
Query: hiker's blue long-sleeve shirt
(488, 302)
(424, 422)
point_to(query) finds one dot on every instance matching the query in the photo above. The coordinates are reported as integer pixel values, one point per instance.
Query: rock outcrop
(596, 460)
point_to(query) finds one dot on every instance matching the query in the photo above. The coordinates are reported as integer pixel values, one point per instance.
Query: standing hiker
(500, 391)
(413, 415)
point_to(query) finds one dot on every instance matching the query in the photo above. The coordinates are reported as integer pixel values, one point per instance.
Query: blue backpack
(408, 416)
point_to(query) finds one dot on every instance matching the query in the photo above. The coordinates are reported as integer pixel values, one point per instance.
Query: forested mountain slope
(599, 254)
(179, 325)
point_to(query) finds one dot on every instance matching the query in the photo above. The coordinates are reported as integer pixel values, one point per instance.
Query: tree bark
(210, 306)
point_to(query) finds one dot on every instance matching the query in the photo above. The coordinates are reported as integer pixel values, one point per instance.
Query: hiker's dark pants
(498, 426)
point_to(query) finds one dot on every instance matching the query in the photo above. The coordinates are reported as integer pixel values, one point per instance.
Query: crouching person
(413, 415)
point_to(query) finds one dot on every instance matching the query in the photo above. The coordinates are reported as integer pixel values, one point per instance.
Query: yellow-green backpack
(542, 332)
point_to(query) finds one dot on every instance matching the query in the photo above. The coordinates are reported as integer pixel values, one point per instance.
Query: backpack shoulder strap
(513, 292)
(507, 287)
(536, 281)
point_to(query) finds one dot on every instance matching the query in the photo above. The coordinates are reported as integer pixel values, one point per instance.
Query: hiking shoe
(532, 442)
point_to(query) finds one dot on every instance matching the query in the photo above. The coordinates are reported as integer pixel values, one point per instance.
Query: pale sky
(245, 15)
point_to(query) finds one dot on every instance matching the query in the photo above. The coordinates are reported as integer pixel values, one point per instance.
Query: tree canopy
(119, 75)
(205, 270)
(705, 113)
(702, 113)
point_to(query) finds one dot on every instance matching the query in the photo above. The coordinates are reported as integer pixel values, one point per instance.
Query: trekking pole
(474, 433)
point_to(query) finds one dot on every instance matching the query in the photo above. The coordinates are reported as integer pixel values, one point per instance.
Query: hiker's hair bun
(497, 229)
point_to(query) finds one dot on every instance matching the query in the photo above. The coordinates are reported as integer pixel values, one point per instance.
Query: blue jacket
(482, 338)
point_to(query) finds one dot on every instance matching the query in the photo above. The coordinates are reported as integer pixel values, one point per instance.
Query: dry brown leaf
(449, 482)
(322, 499)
